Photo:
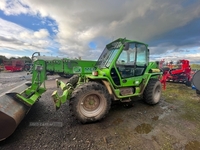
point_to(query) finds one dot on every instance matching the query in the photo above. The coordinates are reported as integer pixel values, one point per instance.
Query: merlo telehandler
(122, 73)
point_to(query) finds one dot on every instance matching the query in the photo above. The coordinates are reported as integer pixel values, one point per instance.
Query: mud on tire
(152, 92)
(90, 102)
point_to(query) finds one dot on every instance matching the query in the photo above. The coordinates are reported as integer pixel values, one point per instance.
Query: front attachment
(67, 90)
(12, 111)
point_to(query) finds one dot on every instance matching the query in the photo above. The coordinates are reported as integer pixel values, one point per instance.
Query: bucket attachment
(12, 111)
(15, 103)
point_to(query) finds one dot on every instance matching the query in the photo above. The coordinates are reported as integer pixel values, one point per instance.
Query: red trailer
(14, 65)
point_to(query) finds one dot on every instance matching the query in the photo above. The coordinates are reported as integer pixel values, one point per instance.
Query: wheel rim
(91, 105)
(157, 93)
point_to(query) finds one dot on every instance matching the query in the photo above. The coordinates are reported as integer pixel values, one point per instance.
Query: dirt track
(141, 126)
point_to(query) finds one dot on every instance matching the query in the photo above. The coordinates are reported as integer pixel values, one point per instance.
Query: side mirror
(126, 46)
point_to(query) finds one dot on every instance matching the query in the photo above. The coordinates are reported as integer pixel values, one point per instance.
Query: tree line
(28, 60)
(24, 58)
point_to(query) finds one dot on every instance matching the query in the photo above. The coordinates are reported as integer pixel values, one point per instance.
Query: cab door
(131, 64)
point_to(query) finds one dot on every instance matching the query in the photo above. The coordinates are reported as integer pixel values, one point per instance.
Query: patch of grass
(185, 98)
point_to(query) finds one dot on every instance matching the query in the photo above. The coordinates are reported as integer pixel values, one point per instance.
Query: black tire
(90, 102)
(165, 69)
(68, 75)
(65, 75)
(26, 67)
(152, 92)
(73, 80)
(188, 83)
(50, 73)
(197, 92)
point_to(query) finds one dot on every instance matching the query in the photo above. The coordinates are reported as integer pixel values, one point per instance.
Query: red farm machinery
(16, 65)
(178, 72)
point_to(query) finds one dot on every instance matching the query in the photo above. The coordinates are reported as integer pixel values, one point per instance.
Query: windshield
(108, 55)
(106, 58)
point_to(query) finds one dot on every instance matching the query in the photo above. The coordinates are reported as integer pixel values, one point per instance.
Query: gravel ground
(138, 127)
(11, 78)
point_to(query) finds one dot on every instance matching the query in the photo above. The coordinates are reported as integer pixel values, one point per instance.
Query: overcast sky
(72, 28)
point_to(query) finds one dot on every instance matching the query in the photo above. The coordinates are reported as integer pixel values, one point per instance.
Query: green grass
(195, 66)
(185, 98)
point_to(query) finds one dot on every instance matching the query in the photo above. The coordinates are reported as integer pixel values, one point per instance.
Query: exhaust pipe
(12, 111)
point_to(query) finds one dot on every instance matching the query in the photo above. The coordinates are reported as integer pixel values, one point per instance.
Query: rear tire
(90, 102)
(152, 92)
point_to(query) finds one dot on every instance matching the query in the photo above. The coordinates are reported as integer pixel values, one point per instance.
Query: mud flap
(12, 111)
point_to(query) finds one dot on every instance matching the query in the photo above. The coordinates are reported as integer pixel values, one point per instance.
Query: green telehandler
(122, 73)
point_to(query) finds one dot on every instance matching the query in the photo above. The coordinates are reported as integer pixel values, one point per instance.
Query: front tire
(90, 102)
(152, 92)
